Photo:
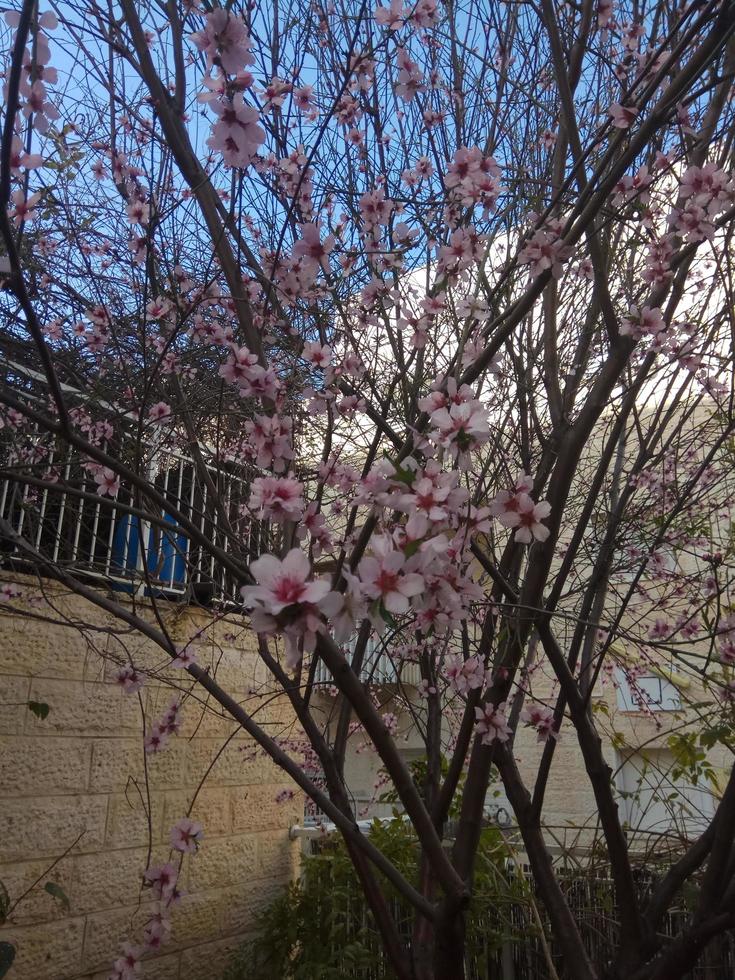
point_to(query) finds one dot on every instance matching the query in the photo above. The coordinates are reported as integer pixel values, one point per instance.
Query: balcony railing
(379, 667)
(127, 540)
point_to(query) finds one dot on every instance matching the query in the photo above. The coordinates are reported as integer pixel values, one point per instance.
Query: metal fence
(506, 942)
(58, 510)
(379, 667)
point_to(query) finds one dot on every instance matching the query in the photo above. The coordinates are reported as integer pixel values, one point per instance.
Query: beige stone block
(51, 952)
(212, 808)
(83, 709)
(237, 670)
(34, 766)
(46, 826)
(136, 648)
(246, 901)
(239, 763)
(111, 879)
(256, 808)
(227, 861)
(200, 716)
(107, 930)
(14, 695)
(154, 968)
(128, 821)
(210, 959)
(38, 905)
(199, 917)
(118, 762)
(277, 855)
(42, 650)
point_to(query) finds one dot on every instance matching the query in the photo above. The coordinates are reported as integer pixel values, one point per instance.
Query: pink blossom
(24, 210)
(318, 355)
(239, 367)
(108, 482)
(464, 675)
(156, 932)
(9, 591)
(159, 412)
(237, 134)
(184, 658)
(545, 250)
(725, 639)
(530, 516)
(491, 723)
(622, 116)
(127, 965)
(271, 439)
(277, 498)
(461, 427)
(540, 718)
(310, 247)
(649, 320)
(225, 41)
(384, 577)
(375, 209)
(344, 609)
(162, 878)
(19, 159)
(129, 679)
(155, 739)
(391, 17)
(186, 835)
(283, 583)
(390, 720)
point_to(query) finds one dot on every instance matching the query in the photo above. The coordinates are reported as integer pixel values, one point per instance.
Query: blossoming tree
(455, 279)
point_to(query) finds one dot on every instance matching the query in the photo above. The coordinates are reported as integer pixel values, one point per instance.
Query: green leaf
(58, 893)
(387, 617)
(39, 708)
(7, 955)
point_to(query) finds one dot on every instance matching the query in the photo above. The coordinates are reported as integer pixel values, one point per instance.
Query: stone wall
(73, 789)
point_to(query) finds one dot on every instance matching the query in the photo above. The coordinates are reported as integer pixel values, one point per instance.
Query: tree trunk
(449, 945)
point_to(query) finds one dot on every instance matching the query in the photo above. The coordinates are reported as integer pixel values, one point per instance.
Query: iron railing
(128, 540)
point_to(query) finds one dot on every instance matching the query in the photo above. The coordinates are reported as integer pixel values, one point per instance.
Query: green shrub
(320, 927)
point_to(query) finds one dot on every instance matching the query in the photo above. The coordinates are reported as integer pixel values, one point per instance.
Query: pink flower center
(386, 581)
(289, 590)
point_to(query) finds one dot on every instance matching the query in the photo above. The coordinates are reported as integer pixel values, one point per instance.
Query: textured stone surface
(46, 825)
(52, 951)
(79, 782)
(31, 765)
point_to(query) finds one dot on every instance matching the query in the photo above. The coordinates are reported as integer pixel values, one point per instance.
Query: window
(652, 801)
(648, 692)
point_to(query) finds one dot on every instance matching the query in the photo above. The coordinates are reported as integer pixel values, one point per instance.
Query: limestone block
(34, 766)
(49, 952)
(106, 931)
(256, 808)
(47, 825)
(212, 808)
(199, 917)
(155, 968)
(210, 959)
(246, 901)
(277, 855)
(117, 761)
(40, 650)
(82, 709)
(227, 861)
(13, 703)
(38, 905)
(108, 881)
(228, 762)
(128, 822)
